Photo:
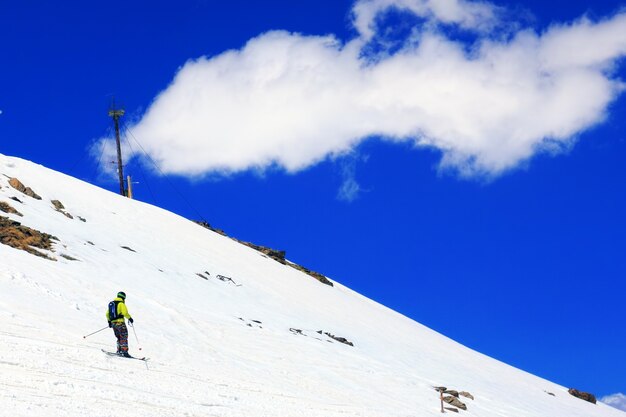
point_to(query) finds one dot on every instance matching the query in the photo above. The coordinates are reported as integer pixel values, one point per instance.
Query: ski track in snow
(48, 377)
(215, 349)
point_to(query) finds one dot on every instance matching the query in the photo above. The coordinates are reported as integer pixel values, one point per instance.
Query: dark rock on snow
(7, 208)
(455, 402)
(466, 395)
(583, 395)
(57, 205)
(452, 392)
(277, 255)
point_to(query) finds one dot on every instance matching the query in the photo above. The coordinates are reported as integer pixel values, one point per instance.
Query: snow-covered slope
(215, 348)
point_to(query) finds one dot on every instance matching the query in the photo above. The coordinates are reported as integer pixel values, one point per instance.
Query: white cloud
(290, 100)
(468, 15)
(616, 400)
(350, 189)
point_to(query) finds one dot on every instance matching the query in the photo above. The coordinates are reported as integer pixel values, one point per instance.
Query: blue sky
(413, 190)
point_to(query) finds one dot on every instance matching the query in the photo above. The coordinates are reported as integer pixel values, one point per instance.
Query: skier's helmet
(121, 295)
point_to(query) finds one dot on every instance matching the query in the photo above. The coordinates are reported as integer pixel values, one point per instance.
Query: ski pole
(98, 331)
(134, 331)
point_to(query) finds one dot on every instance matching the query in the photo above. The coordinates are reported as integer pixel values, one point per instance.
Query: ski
(125, 357)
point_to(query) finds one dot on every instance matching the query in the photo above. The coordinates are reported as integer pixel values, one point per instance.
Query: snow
(617, 400)
(216, 349)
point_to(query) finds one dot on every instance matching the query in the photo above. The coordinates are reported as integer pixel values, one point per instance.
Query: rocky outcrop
(321, 278)
(206, 275)
(466, 395)
(57, 204)
(206, 225)
(452, 392)
(61, 208)
(455, 402)
(7, 208)
(227, 279)
(277, 255)
(13, 234)
(583, 395)
(451, 397)
(15, 183)
(337, 338)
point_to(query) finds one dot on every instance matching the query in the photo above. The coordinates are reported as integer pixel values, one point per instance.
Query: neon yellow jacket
(121, 311)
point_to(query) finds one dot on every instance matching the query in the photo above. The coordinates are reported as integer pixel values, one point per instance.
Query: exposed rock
(223, 278)
(227, 279)
(7, 208)
(206, 225)
(57, 204)
(127, 248)
(550, 393)
(321, 278)
(13, 234)
(16, 199)
(455, 402)
(15, 183)
(466, 395)
(339, 339)
(452, 398)
(82, 219)
(60, 208)
(68, 257)
(277, 255)
(256, 324)
(583, 395)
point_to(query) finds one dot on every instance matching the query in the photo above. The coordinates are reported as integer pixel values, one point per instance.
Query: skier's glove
(110, 324)
(130, 320)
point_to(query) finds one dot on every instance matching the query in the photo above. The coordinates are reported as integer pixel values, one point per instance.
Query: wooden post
(130, 187)
(441, 399)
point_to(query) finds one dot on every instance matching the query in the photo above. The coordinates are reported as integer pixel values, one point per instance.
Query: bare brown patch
(13, 234)
(7, 208)
(15, 183)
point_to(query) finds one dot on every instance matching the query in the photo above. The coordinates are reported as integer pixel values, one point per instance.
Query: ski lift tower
(115, 114)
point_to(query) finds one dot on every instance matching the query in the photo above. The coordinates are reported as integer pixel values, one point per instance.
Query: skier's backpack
(113, 311)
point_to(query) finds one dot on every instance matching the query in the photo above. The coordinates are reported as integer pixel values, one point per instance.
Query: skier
(116, 313)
